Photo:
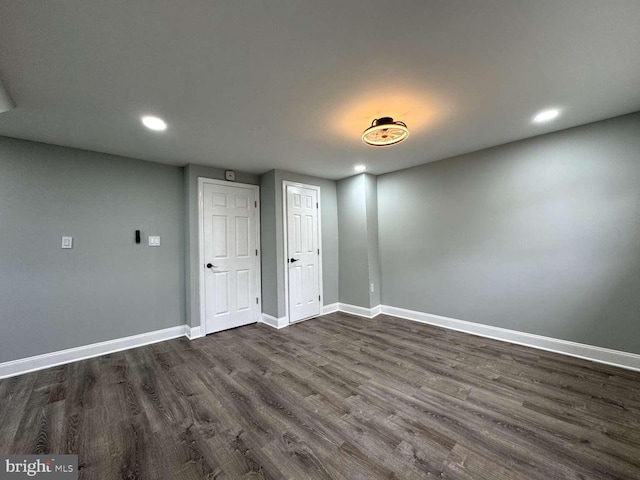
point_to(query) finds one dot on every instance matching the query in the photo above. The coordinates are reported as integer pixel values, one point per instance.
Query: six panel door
(230, 256)
(303, 259)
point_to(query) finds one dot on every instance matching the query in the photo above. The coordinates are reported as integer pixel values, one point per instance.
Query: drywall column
(358, 227)
(269, 242)
(373, 252)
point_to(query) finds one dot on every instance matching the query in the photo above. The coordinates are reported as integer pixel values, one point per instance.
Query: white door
(303, 248)
(230, 255)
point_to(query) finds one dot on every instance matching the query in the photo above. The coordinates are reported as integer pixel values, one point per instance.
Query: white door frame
(258, 262)
(285, 184)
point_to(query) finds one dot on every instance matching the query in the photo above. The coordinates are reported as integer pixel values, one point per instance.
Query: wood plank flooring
(338, 397)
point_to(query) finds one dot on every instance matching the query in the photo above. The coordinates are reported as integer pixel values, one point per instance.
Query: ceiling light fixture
(360, 168)
(384, 131)
(154, 123)
(546, 115)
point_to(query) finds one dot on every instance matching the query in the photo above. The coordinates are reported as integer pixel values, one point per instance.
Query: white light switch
(154, 241)
(67, 242)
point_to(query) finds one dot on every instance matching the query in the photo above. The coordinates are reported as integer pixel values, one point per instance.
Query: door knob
(294, 260)
(210, 265)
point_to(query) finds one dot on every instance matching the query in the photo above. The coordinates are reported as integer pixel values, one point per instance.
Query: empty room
(303, 240)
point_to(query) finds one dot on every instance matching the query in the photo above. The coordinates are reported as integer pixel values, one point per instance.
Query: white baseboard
(194, 332)
(607, 356)
(332, 307)
(53, 359)
(360, 311)
(273, 321)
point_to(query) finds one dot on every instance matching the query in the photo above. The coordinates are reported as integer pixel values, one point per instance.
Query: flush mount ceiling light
(384, 131)
(154, 123)
(360, 168)
(546, 115)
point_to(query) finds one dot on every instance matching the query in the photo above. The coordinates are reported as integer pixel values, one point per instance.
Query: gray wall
(539, 236)
(106, 287)
(269, 243)
(192, 265)
(273, 252)
(358, 226)
(373, 251)
(354, 257)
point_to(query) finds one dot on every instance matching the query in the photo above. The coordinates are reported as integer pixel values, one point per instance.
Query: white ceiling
(261, 84)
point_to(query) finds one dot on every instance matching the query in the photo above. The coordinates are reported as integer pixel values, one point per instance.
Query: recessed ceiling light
(546, 115)
(154, 123)
(384, 131)
(360, 168)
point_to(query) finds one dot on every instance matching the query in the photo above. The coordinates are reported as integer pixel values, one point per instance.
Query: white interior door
(303, 248)
(230, 256)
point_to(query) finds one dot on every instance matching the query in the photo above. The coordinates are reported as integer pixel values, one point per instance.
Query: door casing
(201, 259)
(285, 184)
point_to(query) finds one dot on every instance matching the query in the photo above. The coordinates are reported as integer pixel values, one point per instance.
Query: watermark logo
(50, 467)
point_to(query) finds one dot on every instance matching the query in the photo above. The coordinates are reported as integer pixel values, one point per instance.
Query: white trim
(332, 307)
(258, 262)
(61, 357)
(607, 356)
(285, 184)
(194, 332)
(273, 321)
(360, 311)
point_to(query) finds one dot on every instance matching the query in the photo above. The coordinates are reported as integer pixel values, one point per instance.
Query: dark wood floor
(336, 397)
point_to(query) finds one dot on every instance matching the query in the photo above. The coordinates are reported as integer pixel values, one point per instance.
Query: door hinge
(257, 300)
(255, 204)
(256, 252)
(318, 297)
(317, 206)
(318, 251)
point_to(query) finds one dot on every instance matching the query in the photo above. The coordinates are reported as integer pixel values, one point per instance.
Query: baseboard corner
(273, 321)
(360, 311)
(331, 308)
(194, 332)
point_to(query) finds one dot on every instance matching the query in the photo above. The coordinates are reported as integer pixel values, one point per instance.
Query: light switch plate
(154, 241)
(67, 242)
